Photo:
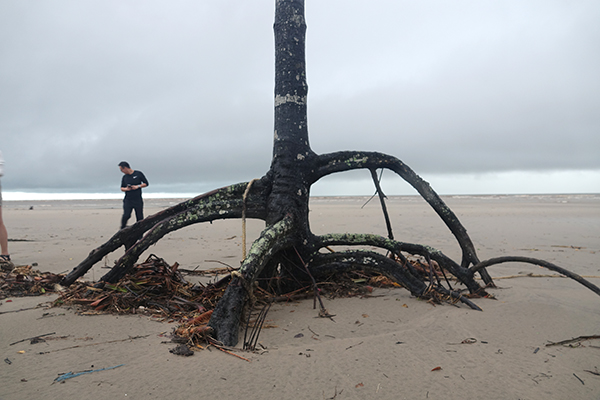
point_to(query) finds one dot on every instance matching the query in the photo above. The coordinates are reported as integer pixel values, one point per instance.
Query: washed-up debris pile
(161, 291)
(157, 289)
(26, 281)
(153, 287)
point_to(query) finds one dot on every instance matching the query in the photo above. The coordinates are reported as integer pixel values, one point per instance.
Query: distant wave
(28, 196)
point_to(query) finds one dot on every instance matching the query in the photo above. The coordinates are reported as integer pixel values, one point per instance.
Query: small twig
(580, 380)
(531, 275)
(431, 274)
(244, 198)
(323, 312)
(31, 338)
(592, 372)
(230, 353)
(295, 295)
(220, 262)
(335, 393)
(369, 200)
(19, 310)
(354, 345)
(577, 339)
(382, 201)
(131, 291)
(258, 324)
(96, 344)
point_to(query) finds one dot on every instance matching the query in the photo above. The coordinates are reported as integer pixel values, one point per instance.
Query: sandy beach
(388, 346)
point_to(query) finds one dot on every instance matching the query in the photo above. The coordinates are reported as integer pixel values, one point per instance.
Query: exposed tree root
(227, 315)
(288, 255)
(350, 160)
(218, 204)
(461, 273)
(535, 261)
(228, 203)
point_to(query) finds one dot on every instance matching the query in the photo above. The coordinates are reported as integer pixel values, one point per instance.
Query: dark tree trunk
(291, 163)
(291, 150)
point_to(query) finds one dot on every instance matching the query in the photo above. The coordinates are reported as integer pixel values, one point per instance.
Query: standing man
(5, 263)
(132, 184)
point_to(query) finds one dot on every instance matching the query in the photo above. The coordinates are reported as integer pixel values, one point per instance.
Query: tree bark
(292, 158)
(291, 150)
(227, 315)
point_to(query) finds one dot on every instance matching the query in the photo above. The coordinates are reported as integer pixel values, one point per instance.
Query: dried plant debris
(26, 281)
(161, 291)
(153, 287)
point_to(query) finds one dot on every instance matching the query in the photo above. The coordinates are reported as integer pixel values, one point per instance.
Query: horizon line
(44, 196)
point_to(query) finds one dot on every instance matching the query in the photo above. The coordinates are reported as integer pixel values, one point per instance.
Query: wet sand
(385, 346)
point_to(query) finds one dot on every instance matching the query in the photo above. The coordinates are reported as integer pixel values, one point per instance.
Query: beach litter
(70, 375)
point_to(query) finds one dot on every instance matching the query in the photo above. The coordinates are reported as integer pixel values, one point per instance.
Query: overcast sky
(475, 96)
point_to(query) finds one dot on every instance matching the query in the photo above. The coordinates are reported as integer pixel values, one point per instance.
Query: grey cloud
(184, 90)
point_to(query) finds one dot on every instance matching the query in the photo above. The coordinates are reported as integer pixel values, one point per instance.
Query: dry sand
(383, 347)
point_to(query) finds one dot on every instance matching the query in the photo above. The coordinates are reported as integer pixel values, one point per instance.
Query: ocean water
(165, 202)
(29, 196)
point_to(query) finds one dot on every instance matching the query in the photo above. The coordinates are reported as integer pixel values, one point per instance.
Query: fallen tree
(287, 252)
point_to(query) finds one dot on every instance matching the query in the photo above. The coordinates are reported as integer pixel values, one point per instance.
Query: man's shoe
(5, 263)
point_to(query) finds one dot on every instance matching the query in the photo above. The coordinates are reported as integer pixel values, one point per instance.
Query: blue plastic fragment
(70, 375)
